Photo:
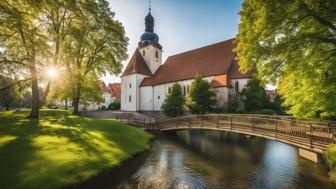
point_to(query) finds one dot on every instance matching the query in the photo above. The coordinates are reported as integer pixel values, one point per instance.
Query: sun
(52, 73)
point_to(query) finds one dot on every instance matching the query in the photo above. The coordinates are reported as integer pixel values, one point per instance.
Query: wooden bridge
(311, 136)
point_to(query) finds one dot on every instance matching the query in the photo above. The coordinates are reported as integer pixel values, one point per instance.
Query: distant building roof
(114, 90)
(137, 64)
(212, 60)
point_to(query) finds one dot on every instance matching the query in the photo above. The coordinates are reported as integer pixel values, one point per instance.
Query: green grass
(330, 155)
(59, 149)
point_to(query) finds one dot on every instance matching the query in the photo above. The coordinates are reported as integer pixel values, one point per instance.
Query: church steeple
(149, 37)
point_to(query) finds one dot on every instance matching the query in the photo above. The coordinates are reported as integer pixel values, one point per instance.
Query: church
(146, 81)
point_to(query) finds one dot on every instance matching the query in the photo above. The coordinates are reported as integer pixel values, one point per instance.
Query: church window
(156, 54)
(237, 86)
(169, 90)
(159, 97)
(129, 98)
(184, 90)
(130, 85)
(143, 53)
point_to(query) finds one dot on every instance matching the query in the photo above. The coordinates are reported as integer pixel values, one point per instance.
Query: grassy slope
(59, 149)
(330, 155)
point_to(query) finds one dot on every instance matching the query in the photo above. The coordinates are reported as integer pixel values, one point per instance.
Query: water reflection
(212, 159)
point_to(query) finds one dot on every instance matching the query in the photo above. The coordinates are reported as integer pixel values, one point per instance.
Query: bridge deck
(313, 136)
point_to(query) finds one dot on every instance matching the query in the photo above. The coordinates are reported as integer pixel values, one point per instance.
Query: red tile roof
(114, 90)
(137, 64)
(212, 60)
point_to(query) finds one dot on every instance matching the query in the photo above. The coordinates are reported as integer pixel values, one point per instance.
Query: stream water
(214, 159)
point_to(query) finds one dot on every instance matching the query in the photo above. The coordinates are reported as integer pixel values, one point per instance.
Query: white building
(146, 81)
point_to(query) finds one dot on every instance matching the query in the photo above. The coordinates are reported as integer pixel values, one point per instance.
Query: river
(213, 159)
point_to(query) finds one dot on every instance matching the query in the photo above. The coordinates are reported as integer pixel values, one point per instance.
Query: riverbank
(59, 149)
(330, 155)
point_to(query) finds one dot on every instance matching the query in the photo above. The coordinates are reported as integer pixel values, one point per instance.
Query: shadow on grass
(57, 150)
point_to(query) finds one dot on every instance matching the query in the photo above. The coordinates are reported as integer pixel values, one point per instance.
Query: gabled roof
(137, 64)
(220, 81)
(210, 60)
(114, 90)
(234, 72)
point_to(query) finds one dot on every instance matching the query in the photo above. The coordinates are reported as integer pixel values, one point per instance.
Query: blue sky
(182, 25)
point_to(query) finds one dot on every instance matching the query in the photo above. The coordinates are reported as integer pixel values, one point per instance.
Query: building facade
(146, 81)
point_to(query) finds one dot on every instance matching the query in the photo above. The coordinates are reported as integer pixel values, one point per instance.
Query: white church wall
(222, 96)
(149, 54)
(146, 98)
(128, 92)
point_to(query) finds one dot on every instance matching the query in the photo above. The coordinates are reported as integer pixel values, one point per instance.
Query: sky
(181, 25)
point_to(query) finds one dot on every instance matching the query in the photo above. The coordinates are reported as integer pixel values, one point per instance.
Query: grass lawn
(60, 149)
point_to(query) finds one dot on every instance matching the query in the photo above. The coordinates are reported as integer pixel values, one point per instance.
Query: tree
(174, 103)
(278, 106)
(97, 46)
(254, 96)
(11, 96)
(202, 96)
(293, 45)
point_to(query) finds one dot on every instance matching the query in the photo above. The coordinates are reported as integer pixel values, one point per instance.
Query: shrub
(114, 105)
(254, 96)
(330, 156)
(174, 103)
(202, 96)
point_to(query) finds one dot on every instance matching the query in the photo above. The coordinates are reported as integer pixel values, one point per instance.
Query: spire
(150, 5)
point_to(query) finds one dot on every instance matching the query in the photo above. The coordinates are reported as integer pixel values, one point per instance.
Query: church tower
(146, 59)
(149, 45)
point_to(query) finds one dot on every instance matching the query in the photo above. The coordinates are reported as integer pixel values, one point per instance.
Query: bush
(114, 105)
(254, 96)
(174, 103)
(202, 96)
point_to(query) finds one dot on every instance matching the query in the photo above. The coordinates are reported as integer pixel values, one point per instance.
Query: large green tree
(201, 96)
(293, 45)
(174, 103)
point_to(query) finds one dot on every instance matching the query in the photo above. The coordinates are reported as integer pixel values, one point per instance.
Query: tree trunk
(76, 99)
(66, 104)
(35, 90)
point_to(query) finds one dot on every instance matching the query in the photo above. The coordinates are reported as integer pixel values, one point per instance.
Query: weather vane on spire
(150, 5)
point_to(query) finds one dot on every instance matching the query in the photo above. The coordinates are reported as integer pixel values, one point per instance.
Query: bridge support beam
(312, 156)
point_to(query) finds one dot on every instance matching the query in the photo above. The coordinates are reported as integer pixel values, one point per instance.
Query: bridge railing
(314, 134)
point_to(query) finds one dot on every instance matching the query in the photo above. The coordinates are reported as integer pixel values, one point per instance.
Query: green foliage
(330, 156)
(233, 105)
(114, 105)
(254, 96)
(70, 149)
(10, 97)
(277, 105)
(174, 103)
(292, 43)
(202, 96)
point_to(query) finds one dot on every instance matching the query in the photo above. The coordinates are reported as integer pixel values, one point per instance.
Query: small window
(169, 90)
(156, 54)
(143, 53)
(237, 86)
(129, 98)
(159, 97)
(130, 85)
(184, 90)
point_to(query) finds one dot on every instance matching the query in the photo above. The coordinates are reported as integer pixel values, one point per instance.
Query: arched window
(184, 90)
(129, 98)
(130, 85)
(237, 86)
(156, 54)
(169, 90)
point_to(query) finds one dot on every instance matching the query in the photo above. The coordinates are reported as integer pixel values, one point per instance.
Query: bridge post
(230, 122)
(201, 121)
(217, 120)
(189, 120)
(310, 135)
(253, 125)
(310, 155)
(276, 128)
